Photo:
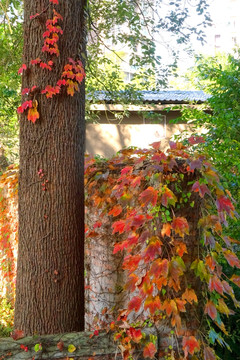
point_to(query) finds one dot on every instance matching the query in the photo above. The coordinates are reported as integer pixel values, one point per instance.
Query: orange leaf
(211, 263)
(181, 249)
(136, 181)
(190, 296)
(166, 230)
(180, 304)
(190, 345)
(211, 310)
(180, 226)
(33, 114)
(176, 269)
(170, 307)
(153, 304)
(135, 303)
(149, 196)
(71, 87)
(149, 351)
(116, 210)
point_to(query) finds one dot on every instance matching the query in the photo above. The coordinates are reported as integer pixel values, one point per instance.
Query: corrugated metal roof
(161, 96)
(174, 96)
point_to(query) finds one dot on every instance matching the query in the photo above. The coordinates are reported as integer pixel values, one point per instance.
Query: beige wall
(112, 133)
(107, 139)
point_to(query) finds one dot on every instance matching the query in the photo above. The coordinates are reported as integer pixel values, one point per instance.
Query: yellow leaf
(71, 348)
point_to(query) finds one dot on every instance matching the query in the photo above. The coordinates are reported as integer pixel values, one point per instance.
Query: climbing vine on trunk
(172, 273)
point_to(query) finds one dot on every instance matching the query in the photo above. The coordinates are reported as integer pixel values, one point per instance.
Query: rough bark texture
(50, 273)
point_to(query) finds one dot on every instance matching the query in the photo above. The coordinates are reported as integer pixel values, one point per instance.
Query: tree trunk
(50, 272)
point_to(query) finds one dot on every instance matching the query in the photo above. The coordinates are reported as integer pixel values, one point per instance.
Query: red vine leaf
(156, 145)
(120, 246)
(211, 310)
(35, 61)
(25, 106)
(153, 248)
(180, 226)
(190, 345)
(231, 258)
(135, 335)
(159, 268)
(131, 262)
(224, 203)
(196, 140)
(23, 67)
(135, 303)
(60, 345)
(131, 283)
(215, 284)
(118, 226)
(149, 196)
(168, 197)
(146, 286)
(54, 1)
(202, 189)
(116, 210)
(149, 351)
(50, 91)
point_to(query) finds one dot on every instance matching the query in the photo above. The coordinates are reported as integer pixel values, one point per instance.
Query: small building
(123, 125)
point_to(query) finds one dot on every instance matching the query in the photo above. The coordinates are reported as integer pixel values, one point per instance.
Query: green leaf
(38, 347)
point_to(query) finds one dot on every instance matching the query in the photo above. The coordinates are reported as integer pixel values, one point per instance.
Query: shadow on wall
(107, 139)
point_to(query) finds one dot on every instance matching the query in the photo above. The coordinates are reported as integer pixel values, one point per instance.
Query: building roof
(172, 96)
(161, 96)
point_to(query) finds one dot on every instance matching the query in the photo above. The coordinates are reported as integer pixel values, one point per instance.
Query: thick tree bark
(50, 273)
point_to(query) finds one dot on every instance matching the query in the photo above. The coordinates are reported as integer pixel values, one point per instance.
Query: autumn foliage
(72, 73)
(151, 200)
